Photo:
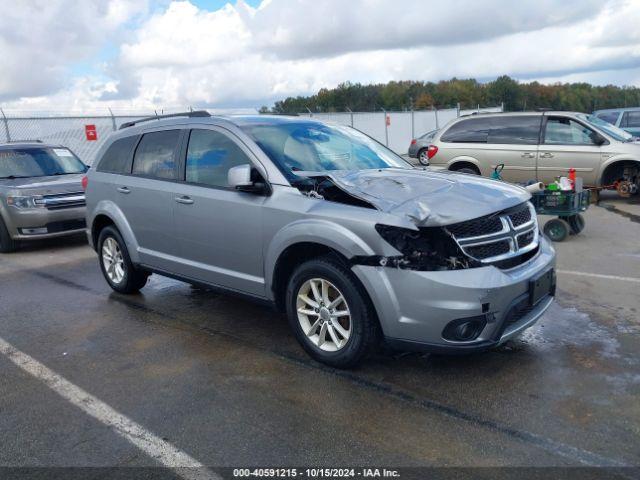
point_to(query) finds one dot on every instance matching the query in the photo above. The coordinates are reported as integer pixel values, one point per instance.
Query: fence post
(502, 106)
(6, 125)
(113, 120)
(458, 109)
(437, 123)
(413, 123)
(351, 115)
(386, 128)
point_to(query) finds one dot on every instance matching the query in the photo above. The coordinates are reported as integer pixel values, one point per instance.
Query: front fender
(321, 232)
(112, 211)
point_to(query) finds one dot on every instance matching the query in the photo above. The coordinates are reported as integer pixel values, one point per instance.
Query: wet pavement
(223, 380)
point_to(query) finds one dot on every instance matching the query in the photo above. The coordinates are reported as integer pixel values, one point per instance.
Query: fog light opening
(464, 329)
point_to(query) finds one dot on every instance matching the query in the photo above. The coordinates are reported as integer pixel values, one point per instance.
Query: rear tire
(469, 170)
(7, 244)
(557, 229)
(423, 158)
(115, 263)
(360, 324)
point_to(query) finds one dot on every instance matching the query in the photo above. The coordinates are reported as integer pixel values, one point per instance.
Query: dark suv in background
(41, 193)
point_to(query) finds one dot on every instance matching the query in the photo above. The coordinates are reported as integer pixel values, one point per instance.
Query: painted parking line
(599, 275)
(154, 446)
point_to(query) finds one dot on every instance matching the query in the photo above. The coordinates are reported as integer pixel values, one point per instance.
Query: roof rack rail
(25, 141)
(195, 113)
(544, 109)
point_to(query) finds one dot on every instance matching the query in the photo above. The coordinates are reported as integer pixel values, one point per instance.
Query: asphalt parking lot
(223, 381)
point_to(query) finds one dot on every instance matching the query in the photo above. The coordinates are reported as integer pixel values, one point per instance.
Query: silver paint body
(234, 239)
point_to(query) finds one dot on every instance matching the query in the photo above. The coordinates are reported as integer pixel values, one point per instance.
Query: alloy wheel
(112, 260)
(324, 314)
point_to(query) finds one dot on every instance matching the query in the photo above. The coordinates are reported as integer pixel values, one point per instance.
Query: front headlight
(23, 202)
(430, 248)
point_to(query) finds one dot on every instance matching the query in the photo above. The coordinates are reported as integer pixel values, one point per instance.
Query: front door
(219, 229)
(567, 144)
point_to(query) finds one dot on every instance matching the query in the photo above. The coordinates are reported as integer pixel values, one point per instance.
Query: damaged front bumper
(415, 307)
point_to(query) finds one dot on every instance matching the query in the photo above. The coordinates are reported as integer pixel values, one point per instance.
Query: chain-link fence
(394, 129)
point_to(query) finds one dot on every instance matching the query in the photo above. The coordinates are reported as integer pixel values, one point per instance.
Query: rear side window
(155, 155)
(611, 117)
(517, 129)
(473, 130)
(117, 158)
(630, 120)
(210, 155)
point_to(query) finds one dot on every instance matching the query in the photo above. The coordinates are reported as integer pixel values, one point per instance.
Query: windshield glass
(612, 130)
(39, 162)
(316, 147)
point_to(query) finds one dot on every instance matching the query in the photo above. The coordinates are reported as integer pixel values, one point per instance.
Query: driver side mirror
(245, 179)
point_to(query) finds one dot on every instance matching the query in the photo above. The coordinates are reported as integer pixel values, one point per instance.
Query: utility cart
(566, 205)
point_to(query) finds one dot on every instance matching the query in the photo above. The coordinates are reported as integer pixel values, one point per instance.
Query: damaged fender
(317, 231)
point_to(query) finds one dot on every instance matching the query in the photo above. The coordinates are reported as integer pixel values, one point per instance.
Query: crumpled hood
(44, 185)
(428, 198)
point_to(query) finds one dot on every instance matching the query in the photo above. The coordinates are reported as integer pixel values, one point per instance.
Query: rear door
(568, 143)
(513, 141)
(146, 196)
(219, 229)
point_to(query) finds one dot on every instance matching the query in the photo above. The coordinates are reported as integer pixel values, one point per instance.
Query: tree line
(468, 93)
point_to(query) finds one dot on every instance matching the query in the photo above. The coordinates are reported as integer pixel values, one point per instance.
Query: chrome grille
(489, 250)
(497, 237)
(62, 200)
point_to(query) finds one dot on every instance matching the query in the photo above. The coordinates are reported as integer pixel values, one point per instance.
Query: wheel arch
(107, 213)
(610, 169)
(304, 240)
(464, 161)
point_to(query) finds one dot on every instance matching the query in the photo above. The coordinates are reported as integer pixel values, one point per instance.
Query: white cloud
(40, 39)
(240, 56)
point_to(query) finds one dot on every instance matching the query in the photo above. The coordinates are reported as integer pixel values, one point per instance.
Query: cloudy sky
(128, 54)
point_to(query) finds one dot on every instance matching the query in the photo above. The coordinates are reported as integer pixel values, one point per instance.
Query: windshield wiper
(11, 177)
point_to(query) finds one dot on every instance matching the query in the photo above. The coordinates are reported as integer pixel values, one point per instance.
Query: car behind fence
(85, 134)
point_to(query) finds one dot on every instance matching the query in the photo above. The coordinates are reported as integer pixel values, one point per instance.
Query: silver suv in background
(41, 193)
(325, 223)
(540, 146)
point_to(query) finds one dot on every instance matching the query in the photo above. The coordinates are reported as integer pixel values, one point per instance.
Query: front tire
(330, 313)
(7, 244)
(115, 263)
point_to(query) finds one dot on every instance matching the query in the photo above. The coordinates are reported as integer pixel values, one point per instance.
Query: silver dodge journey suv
(355, 244)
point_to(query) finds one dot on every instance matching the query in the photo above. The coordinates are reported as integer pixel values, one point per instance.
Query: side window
(210, 155)
(515, 129)
(630, 120)
(117, 158)
(564, 131)
(611, 117)
(155, 155)
(473, 130)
